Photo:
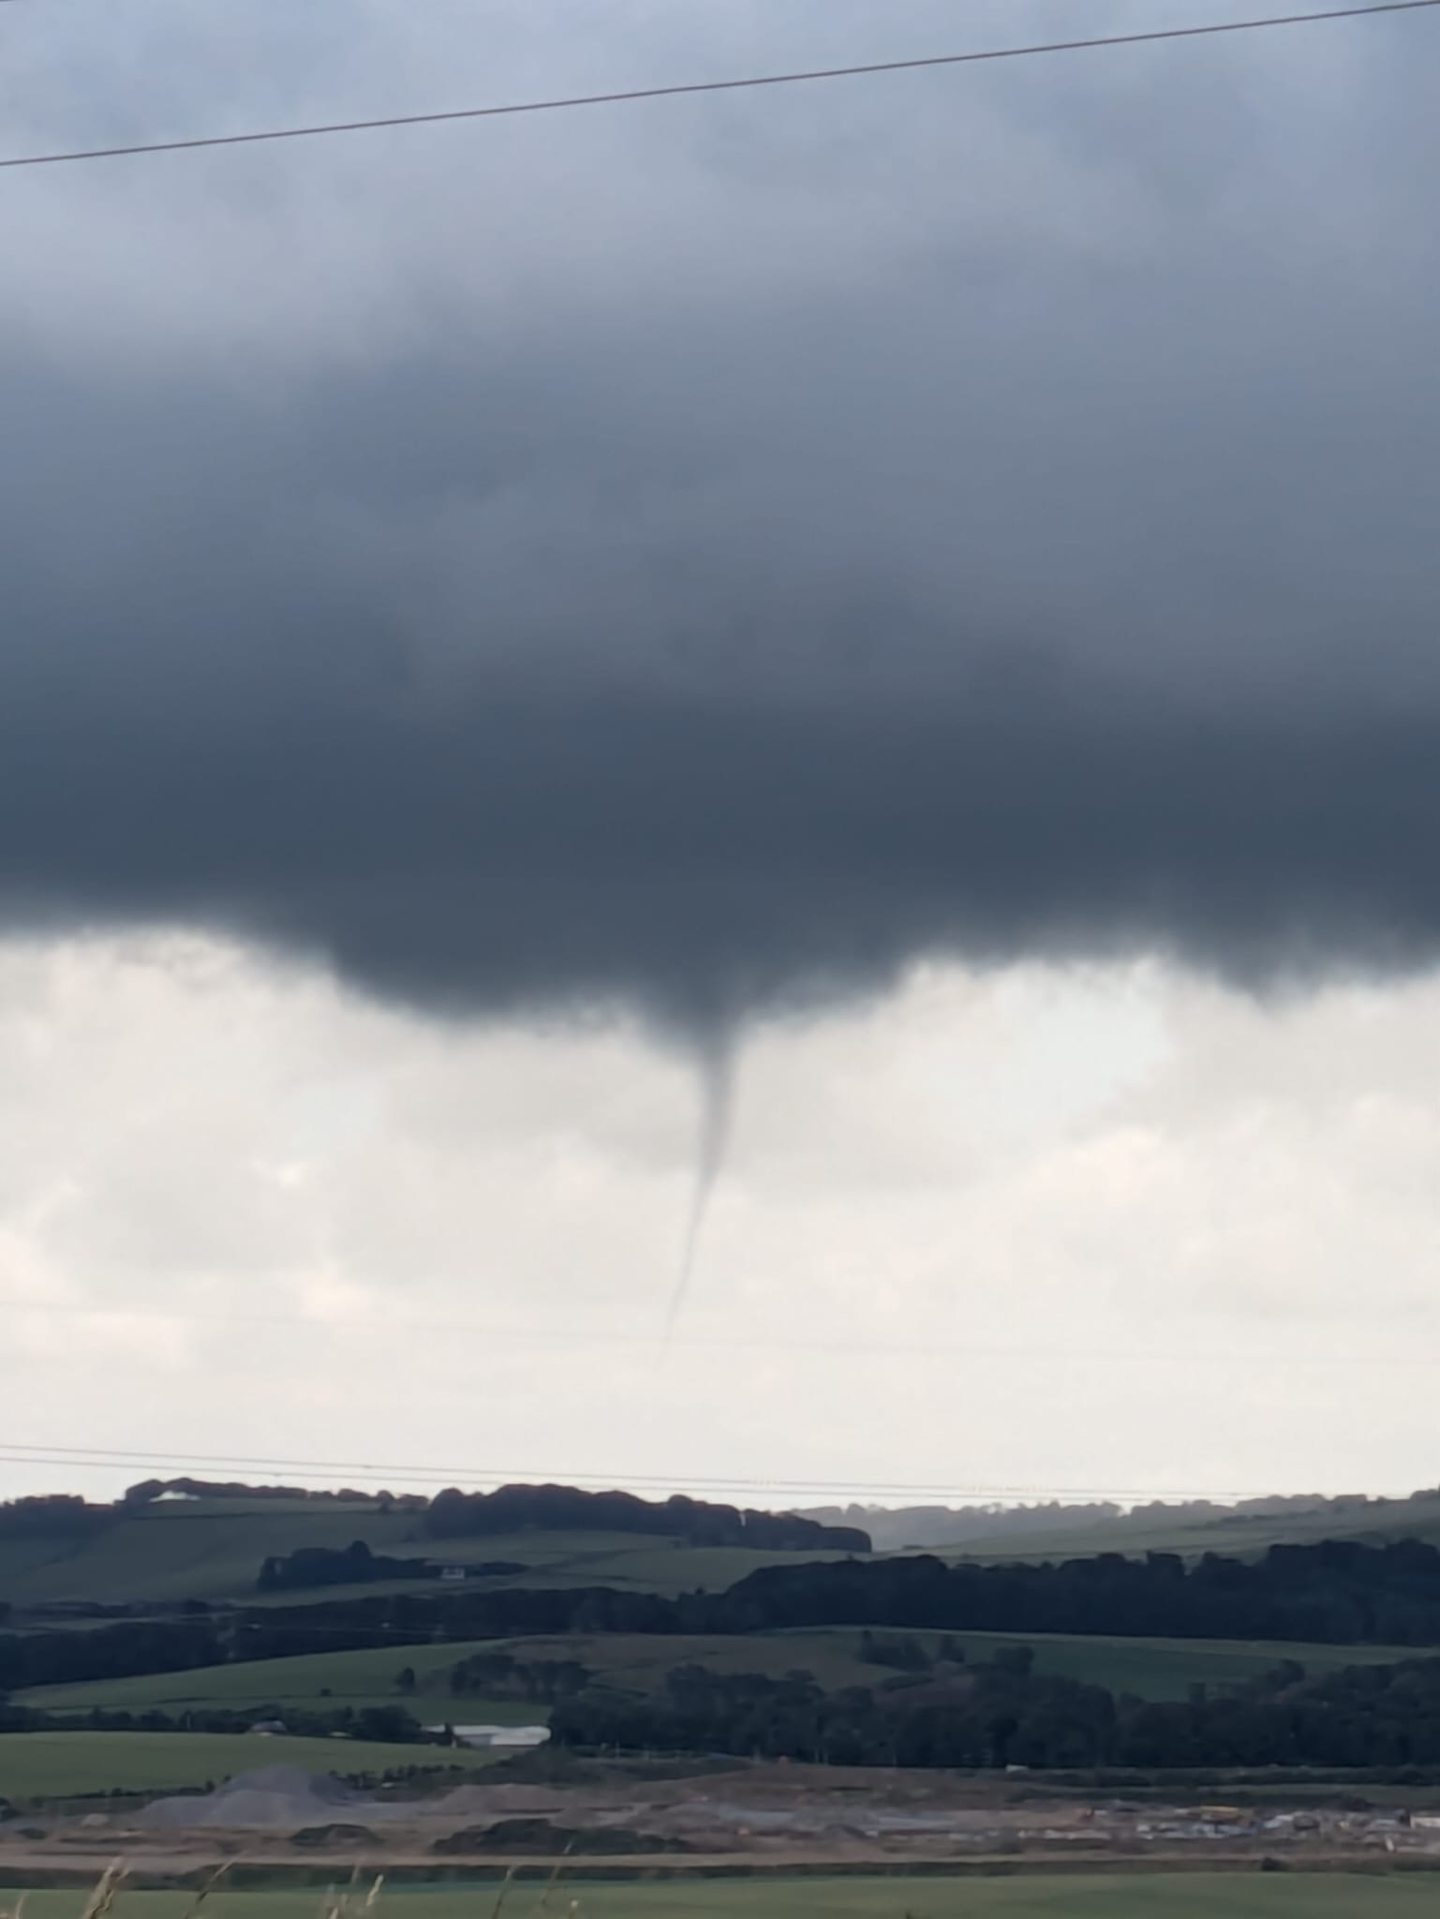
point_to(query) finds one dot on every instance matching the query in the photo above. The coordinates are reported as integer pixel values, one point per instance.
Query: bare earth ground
(762, 1817)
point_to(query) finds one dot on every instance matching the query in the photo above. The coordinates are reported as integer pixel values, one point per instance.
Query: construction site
(282, 1824)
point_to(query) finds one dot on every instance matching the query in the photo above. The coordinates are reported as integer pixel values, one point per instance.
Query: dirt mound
(338, 1834)
(544, 1837)
(480, 1805)
(274, 1796)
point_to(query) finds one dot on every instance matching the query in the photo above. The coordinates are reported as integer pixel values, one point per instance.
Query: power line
(726, 86)
(128, 1459)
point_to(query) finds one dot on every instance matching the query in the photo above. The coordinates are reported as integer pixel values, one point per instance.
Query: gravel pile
(275, 1797)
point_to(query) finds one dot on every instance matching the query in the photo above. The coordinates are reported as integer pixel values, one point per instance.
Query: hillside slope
(213, 1549)
(1077, 1531)
(1149, 1668)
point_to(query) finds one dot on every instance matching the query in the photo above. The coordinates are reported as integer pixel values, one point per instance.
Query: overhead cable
(194, 1465)
(630, 95)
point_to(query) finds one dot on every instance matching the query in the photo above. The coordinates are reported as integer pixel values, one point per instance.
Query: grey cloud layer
(757, 547)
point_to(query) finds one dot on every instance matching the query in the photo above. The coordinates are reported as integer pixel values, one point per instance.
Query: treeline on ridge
(52, 1516)
(698, 1522)
(453, 1514)
(1338, 1592)
(933, 1527)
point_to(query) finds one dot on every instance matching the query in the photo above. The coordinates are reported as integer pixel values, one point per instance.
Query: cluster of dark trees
(463, 1611)
(501, 1675)
(146, 1491)
(52, 1516)
(357, 1565)
(1007, 1714)
(1361, 1716)
(109, 1652)
(1338, 1591)
(354, 1565)
(996, 1715)
(457, 1515)
(903, 1652)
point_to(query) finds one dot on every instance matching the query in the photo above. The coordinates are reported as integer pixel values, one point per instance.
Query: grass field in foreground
(1151, 1668)
(1109, 1896)
(61, 1765)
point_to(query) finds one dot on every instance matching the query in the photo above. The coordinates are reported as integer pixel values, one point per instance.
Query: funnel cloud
(717, 1094)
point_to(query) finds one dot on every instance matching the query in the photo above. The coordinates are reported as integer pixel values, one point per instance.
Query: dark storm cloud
(857, 555)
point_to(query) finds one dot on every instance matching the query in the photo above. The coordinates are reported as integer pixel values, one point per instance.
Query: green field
(213, 1550)
(1167, 1668)
(65, 1765)
(1110, 1896)
(322, 1681)
(1151, 1668)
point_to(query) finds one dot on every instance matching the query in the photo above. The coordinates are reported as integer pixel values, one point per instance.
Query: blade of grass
(555, 1873)
(102, 1895)
(207, 1886)
(503, 1894)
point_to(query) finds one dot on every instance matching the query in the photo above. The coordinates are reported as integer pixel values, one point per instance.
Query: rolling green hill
(212, 1549)
(320, 1681)
(1189, 1530)
(1149, 1668)
(188, 1550)
(1243, 1536)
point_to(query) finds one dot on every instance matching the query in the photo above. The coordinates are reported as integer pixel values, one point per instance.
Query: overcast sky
(923, 587)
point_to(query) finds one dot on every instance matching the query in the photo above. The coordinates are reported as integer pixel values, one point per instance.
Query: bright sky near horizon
(1077, 1229)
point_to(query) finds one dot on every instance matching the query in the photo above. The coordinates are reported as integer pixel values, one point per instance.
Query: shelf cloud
(785, 540)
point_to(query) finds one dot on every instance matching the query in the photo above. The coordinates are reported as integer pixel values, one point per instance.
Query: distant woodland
(995, 1526)
(457, 1515)
(1005, 1714)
